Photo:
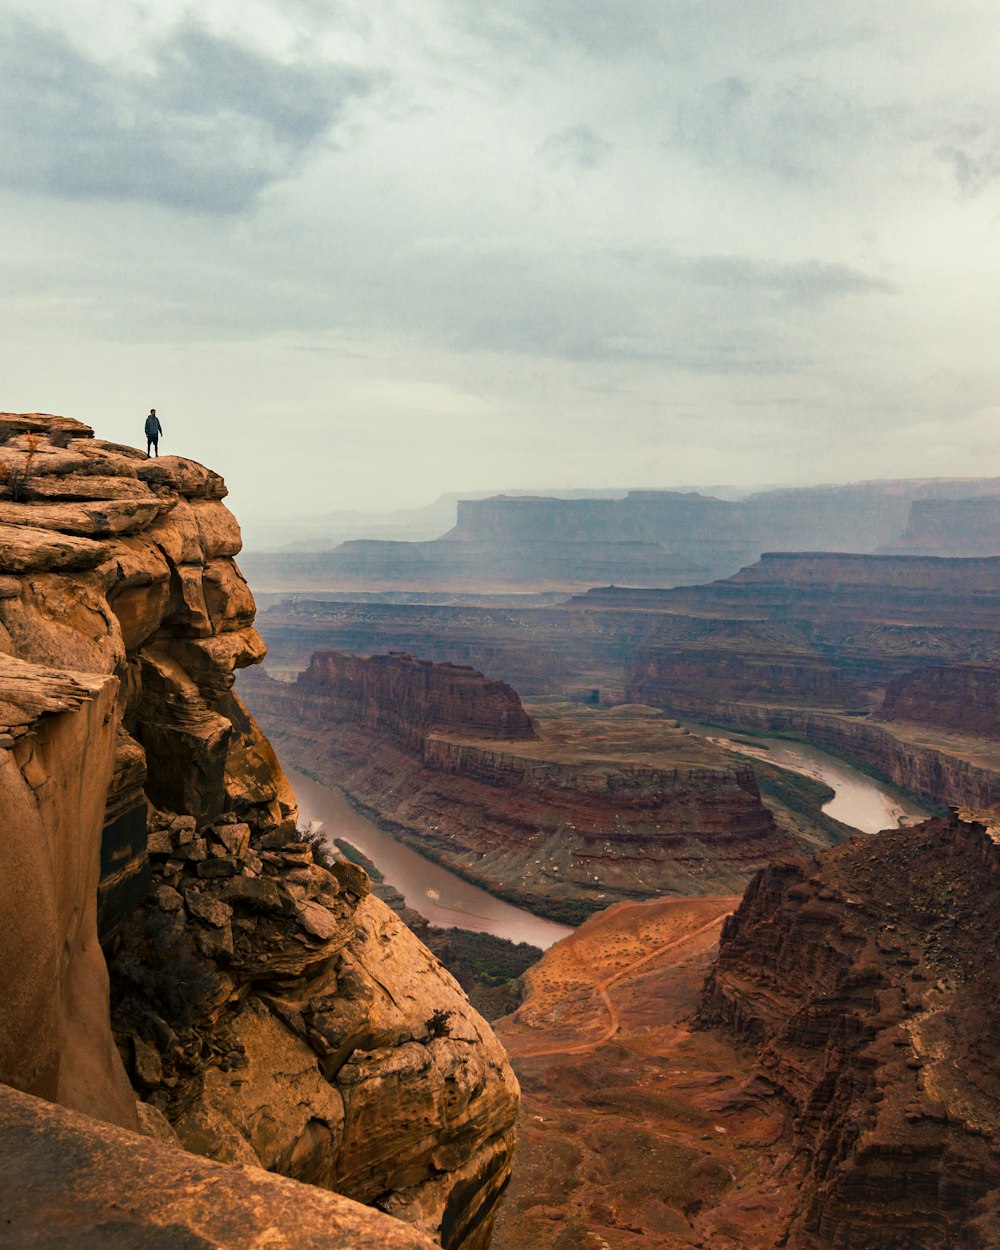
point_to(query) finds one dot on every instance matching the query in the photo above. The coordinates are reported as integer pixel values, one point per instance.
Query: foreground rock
(70, 1178)
(564, 814)
(268, 1010)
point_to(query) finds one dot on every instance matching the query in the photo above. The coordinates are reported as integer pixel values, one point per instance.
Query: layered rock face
(594, 808)
(56, 755)
(896, 661)
(269, 1010)
(960, 697)
(867, 980)
(410, 698)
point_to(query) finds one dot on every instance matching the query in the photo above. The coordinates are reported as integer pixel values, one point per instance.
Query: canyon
(564, 811)
(816, 1070)
(838, 649)
(214, 1028)
(263, 1009)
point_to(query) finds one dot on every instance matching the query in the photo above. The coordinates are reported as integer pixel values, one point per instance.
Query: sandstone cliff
(867, 980)
(269, 1010)
(596, 807)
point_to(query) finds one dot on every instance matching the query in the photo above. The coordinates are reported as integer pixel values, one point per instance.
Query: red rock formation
(412, 698)
(686, 679)
(867, 979)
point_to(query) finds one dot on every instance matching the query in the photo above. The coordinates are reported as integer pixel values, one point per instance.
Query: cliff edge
(268, 1009)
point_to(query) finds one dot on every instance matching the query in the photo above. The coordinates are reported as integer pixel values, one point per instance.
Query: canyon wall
(866, 979)
(411, 698)
(56, 755)
(960, 697)
(269, 1011)
(595, 808)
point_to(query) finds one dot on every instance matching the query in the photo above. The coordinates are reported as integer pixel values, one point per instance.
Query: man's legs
(154, 443)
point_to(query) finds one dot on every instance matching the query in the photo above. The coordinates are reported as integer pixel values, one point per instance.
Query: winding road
(603, 986)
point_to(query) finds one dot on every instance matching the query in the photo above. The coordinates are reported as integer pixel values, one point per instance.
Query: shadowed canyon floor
(638, 1131)
(833, 1083)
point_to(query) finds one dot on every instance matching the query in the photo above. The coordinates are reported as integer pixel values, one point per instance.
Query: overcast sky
(360, 252)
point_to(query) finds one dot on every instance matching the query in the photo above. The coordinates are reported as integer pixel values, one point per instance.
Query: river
(446, 900)
(860, 801)
(450, 902)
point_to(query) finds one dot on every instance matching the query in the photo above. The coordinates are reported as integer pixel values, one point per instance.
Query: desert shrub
(322, 852)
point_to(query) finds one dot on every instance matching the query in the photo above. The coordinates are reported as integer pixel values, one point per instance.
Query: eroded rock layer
(867, 979)
(595, 807)
(269, 1011)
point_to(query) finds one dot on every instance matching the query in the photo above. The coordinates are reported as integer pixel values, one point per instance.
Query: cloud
(803, 282)
(577, 146)
(708, 313)
(209, 126)
(799, 129)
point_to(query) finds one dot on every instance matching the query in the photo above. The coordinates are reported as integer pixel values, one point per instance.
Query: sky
(357, 253)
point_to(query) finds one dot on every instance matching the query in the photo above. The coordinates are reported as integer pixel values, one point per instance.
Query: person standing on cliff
(153, 432)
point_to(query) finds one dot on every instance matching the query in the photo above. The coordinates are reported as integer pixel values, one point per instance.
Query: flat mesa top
(598, 738)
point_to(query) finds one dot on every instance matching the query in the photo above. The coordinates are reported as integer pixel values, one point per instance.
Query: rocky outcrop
(594, 807)
(279, 1015)
(267, 1009)
(867, 978)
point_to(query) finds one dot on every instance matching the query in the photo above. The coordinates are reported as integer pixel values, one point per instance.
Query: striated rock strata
(269, 1011)
(565, 818)
(867, 980)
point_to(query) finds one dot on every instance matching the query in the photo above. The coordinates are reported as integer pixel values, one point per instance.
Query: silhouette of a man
(153, 432)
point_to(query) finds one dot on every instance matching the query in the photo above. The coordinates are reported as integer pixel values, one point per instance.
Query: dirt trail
(604, 985)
